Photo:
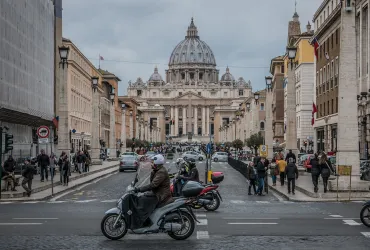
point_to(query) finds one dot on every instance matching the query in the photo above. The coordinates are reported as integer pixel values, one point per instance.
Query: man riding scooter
(188, 172)
(193, 174)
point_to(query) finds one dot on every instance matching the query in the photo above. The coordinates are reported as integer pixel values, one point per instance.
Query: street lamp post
(268, 124)
(95, 133)
(112, 134)
(123, 127)
(291, 131)
(64, 140)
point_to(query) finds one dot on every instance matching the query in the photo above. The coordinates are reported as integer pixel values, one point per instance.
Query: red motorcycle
(208, 197)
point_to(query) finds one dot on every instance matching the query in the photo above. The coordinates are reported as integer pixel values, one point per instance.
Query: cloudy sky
(135, 35)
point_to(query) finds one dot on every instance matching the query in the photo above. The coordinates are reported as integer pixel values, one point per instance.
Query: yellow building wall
(305, 52)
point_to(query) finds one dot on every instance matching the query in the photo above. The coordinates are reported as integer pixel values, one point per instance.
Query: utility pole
(1, 154)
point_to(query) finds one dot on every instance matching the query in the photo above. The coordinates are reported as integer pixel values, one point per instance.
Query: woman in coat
(326, 170)
(315, 172)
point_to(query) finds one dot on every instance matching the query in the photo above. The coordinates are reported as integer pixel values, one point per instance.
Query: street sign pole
(1, 160)
(210, 149)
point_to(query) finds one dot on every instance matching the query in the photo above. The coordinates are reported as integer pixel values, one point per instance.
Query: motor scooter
(176, 219)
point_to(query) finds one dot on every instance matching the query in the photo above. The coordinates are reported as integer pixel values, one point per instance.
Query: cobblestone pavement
(242, 221)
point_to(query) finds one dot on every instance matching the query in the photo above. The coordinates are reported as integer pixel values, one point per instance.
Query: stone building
(185, 101)
(363, 54)
(277, 71)
(304, 84)
(26, 77)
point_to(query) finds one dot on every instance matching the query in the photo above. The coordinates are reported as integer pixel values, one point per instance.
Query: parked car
(192, 155)
(299, 159)
(220, 156)
(129, 162)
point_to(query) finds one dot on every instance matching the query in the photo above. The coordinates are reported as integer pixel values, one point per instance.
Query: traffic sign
(43, 140)
(263, 150)
(43, 132)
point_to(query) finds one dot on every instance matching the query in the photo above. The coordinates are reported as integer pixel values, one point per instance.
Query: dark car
(128, 162)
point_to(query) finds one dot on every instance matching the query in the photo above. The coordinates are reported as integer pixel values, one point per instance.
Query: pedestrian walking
(81, 159)
(28, 173)
(291, 172)
(66, 170)
(282, 165)
(53, 163)
(315, 172)
(43, 162)
(8, 173)
(251, 176)
(88, 161)
(60, 165)
(326, 170)
(273, 171)
(261, 174)
(290, 157)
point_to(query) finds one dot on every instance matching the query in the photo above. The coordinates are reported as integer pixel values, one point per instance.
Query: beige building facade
(188, 102)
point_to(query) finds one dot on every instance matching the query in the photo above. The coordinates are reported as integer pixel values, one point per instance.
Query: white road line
(351, 223)
(252, 223)
(366, 234)
(200, 215)
(202, 222)
(201, 163)
(109, 201)
(56, 202)
(201, 235)
(336, 216)
(19, 224)
(231, 218)
(341, 218)
(6, 202)
(263, 202)
(35, 218)
(237, 201)
(31, 202)
(358, 201)
(85, 201)
(167, 162)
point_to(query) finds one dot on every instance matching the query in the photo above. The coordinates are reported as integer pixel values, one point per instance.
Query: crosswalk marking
(85, 201)
(336, 216)
(263, 202)
(351, 223)
(202, 222)
(56, 202)
(109, 201)
(366, 234)
(202, 235)
(237, 201)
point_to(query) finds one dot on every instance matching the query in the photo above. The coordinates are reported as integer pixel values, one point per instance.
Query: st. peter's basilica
(191, 100)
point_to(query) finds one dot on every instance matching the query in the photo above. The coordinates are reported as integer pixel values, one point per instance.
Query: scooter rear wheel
(214, 205)
(107, 229)
(188, 229)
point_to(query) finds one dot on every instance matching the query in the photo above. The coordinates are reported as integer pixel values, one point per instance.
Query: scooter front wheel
(365, 218)
(109, 230)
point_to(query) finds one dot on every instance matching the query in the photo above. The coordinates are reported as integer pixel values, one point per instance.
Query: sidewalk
(42, 190)
(304, 191)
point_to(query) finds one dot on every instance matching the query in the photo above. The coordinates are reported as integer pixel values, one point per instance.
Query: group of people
(46, 164)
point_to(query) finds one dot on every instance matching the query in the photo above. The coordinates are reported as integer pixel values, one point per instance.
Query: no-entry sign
(43, 132)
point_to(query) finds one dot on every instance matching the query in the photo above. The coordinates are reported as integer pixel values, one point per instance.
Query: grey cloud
(240, 33)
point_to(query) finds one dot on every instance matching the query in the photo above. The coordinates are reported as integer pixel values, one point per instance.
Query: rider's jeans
(260, 185)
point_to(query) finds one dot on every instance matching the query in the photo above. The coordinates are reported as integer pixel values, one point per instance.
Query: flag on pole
(56, 121)
(314, 110)
(101, 58)
(316, 46)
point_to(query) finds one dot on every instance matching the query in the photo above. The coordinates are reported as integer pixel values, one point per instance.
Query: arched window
(262, 126)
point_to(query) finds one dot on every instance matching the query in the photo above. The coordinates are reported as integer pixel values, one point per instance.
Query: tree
(238, 144)
(255, 141)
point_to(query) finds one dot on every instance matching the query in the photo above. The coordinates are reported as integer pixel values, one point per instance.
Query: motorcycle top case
(192, 188)
(217, 177)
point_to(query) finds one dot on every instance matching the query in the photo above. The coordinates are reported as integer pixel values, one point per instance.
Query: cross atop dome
(192, 30)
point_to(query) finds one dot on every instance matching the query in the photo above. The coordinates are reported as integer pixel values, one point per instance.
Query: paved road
(242, 221)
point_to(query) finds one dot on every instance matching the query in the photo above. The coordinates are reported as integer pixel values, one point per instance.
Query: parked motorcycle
(176, 219)
(365, 214)
(209, 197)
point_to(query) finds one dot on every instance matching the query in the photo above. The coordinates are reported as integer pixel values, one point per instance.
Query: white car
(220, 156)
(192, 155)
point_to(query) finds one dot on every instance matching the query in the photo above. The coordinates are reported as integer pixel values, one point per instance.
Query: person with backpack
(251, 176)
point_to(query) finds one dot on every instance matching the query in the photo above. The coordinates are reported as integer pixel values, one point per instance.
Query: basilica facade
(191, 101)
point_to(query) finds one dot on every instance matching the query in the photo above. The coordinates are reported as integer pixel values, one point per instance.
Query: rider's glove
(136, 190)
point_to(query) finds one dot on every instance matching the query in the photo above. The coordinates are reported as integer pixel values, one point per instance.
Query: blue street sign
(208, 148)
(74, 131)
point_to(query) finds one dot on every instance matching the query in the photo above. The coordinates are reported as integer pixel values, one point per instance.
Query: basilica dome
(192, 50)
(227, 77)
(155, 76)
